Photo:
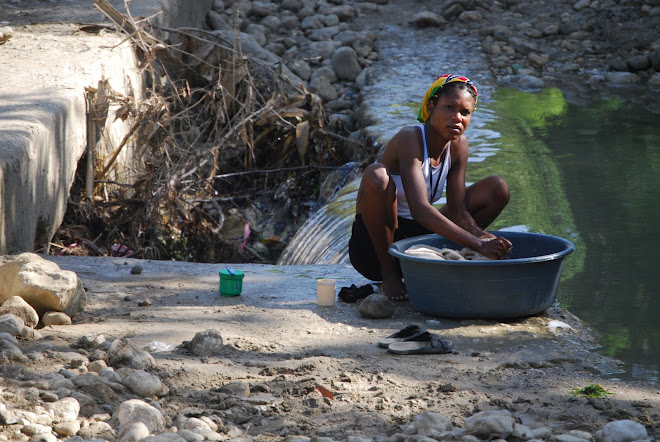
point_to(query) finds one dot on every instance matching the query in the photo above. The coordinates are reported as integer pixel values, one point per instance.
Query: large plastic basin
(523, 284)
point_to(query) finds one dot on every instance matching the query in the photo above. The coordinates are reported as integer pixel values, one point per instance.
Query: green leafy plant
(593, 390)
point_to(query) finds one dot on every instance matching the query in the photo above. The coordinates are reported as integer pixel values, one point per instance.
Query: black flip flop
(424, 343)
(405, 333)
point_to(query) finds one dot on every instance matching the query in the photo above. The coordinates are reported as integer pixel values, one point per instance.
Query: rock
(325, 71)
(97, 366)
(55, 318)
(206, 343)
(323, 34)
(218, 6)
(136, 410)
(104, 391)
(344, 12)
(7, 417)
(258, 32)
(41, 283)
(527, 82)
(550, 30)
(430, 424)
(470, 17)
(97, 430)
(426, 19)
(300, 68)
(622, 431)
(452, 12)
(581, 4)
(66, 409)
(289, 22)
(4, 336)
(330, 20)
(522, 45)
(217, 22)
(654, 80)
(11, 324)
(19, 308)
(522, 432)
(622, 78)
(194, 424)
(250, 47)
(291, 5)
(569, 438)
(538, 60)
(11, 351)
(638, 63)
(376, 306)
(143, 384)
(122, 354)
(323, 49)
(363, 47)
(262, 9)
(67, 428)
(312, 22)
(110, 375)
(345, 63)
(654, 58)
(490, 424)
(5, 34)
(136, 270)
(618, 65)
(238, 389)
(322, 87)
(133, 432)
(168, 437)
(73, 360)
(33, 430)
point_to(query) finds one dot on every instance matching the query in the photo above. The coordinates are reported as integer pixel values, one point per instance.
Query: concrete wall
(44, 70)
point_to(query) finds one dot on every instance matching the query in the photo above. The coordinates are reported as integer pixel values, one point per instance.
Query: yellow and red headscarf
(439, 82)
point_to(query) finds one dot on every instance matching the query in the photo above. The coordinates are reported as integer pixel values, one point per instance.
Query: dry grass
(214, 133)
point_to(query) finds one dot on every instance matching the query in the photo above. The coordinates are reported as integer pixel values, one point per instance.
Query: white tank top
(438, 173)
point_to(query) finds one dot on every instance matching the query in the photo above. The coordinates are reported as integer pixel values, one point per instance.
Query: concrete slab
(44, 70)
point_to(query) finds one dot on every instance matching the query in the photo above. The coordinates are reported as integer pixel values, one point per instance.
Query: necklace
(434, 190)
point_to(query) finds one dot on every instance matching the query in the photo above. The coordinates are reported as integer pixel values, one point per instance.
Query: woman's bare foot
(393, 288)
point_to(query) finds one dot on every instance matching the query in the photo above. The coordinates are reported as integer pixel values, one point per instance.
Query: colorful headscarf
(439, 82)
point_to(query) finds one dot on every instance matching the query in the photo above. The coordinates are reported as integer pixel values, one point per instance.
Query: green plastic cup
(231, 284)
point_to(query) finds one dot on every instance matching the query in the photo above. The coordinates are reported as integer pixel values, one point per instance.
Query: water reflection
(609, 156)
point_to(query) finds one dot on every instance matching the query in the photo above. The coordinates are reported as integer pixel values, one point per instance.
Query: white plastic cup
(325, 292)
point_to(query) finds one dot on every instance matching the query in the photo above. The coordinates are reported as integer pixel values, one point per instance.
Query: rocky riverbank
(158, 355)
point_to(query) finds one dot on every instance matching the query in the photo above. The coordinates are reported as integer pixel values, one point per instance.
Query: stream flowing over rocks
(589, 49)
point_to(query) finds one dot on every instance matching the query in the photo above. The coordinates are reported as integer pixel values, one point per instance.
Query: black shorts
(361, 250)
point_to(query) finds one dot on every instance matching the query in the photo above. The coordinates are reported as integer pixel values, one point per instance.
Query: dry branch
(232, 140)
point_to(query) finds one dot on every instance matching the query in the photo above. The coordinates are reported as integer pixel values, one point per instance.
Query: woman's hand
(496, 247)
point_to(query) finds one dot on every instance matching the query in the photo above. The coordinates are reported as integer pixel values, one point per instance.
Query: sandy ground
(275, 335)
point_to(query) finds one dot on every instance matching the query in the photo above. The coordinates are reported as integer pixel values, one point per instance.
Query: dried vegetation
(232, 156)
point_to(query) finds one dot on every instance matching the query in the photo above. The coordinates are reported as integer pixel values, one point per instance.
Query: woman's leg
(376, 203)
(486, 199)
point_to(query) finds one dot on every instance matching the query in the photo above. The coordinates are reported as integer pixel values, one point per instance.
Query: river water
(588, 172)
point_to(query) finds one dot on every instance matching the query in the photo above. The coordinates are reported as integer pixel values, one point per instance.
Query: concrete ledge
(44, 70)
